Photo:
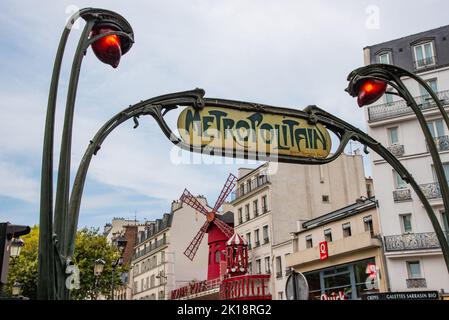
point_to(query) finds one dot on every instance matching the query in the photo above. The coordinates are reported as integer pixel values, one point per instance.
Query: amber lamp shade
(108, 48)
(370, 90)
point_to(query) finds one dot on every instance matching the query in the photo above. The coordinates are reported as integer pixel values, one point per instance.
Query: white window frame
(380, 55)
(390, 142)
(401, 219)
(421, 272)
(433, 56)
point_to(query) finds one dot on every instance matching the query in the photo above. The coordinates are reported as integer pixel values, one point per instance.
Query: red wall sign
(323, 250)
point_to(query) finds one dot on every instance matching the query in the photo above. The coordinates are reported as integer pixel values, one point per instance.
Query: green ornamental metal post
(111, 36)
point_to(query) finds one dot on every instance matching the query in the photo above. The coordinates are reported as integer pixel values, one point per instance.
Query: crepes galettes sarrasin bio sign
(251, 131)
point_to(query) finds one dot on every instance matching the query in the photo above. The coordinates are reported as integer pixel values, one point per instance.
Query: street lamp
(15, 247)
(110, 36)
(98, 267)
(16, 289)
(368, 84)
(121, 245)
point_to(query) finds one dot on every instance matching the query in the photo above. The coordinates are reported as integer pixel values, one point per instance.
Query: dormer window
(384, 57)
(424, 54)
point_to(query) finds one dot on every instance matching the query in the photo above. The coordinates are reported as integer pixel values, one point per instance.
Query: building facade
(273, 199)
(413, 256)
(341, 254)
(159, 264)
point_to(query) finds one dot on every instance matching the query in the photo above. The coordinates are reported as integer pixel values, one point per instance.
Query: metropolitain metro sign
(227, 129)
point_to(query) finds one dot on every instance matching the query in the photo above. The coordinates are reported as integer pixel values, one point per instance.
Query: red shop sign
(323, 250)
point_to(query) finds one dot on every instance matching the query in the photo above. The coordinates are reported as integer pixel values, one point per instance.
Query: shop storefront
(344, 282)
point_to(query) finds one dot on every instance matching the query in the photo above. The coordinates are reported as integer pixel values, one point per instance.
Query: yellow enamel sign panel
(251, 131)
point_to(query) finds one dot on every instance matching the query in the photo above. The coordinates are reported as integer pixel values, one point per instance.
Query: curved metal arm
(155, 107)
(393, 75)
(159, 106)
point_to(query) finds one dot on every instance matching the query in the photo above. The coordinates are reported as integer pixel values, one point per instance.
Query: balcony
(400, 108)
(396, 149)
(412, 241)
(278, 274)
(424, 63)
(150, 247)
(431, 190)
(402, 195)
(416, 283)
(442, 143)
(256, 244)
(245, 188)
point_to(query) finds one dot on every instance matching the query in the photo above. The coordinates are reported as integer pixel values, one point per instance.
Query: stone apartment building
(159, 264)
(413, 255)
(271, 201)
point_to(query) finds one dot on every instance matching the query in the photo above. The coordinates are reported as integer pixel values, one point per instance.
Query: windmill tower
(217, 229)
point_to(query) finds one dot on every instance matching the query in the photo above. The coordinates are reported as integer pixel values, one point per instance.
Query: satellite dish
(296, 287)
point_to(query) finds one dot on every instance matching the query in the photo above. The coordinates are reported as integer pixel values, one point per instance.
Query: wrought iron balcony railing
(247, 188)
(150, 247)
(416, 283)
(442, 143)
(400, 108)
(411, 241)
(425, 62)
(431, 190)
(402, 195)
(396, 149)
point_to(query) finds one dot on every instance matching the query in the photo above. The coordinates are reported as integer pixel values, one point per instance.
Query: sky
(278, 52)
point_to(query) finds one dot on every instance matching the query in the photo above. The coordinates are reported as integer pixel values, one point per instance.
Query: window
(250, 268)
(248, 239)
(256, 208)
(398, 182)
(388, 97)
(328, 235)
(258, 266)
(162, 257)
(147, 282)
(384, 58)
(161, 295)
(152, 281)
(309, 243)
(256, 238)
(247, 212)
(424, 55)
(248, 186)
(325, 198)
(264, 204)
(368, 222)
(436, 128)
(280, 295)
(135, 289)
(425, 96)
(414, 269)
(346, 229)
(141, 284)
(445, 169)
(240, 216)
(406, 223)
(444, 223)
(393, 136)
(266, 237)
(278, 267)
(217, 256)
(267, 265)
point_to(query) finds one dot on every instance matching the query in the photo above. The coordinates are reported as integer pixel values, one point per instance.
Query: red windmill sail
(191, 201)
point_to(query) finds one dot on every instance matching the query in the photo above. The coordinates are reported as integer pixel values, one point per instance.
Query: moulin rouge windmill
(211, 218)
